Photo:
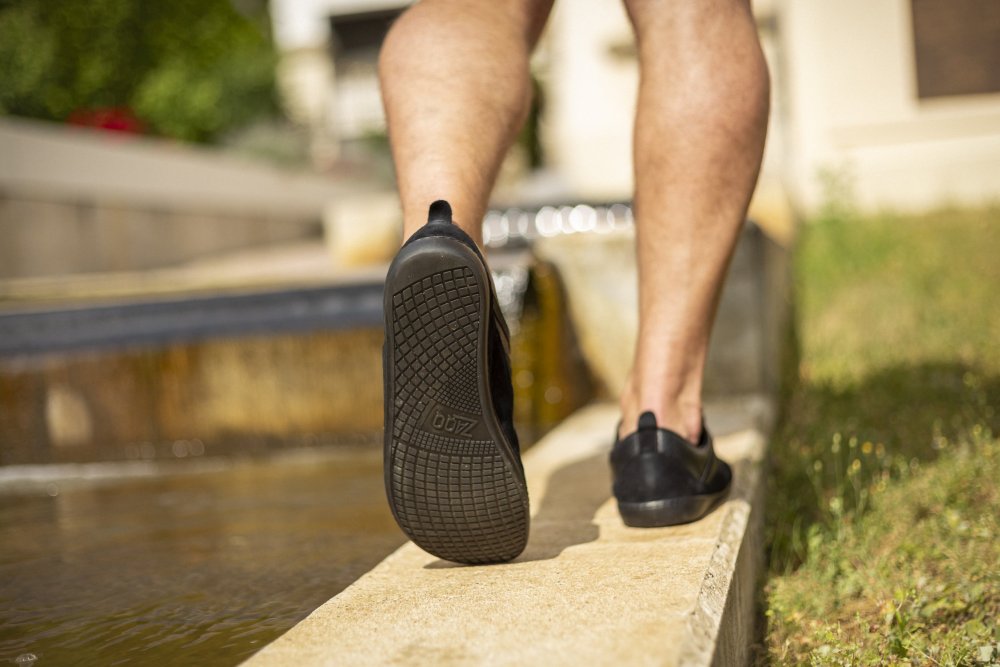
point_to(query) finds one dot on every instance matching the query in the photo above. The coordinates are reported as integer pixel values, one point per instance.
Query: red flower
(114, 119)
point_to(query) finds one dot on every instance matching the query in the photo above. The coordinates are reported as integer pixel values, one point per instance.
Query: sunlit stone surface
(587, 590)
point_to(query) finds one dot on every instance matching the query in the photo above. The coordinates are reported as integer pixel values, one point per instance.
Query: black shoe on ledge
(662, 479)
(453, 473)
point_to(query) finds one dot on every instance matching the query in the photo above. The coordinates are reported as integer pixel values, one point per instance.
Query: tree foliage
(189, 69)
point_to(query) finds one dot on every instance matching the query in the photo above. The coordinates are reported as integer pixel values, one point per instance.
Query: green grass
(882, 526)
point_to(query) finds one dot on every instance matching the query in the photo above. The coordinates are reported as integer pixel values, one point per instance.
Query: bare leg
(456, 90)
(699, 138)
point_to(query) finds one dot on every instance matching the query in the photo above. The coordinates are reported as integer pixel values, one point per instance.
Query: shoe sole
(670, 511)
(452, 479)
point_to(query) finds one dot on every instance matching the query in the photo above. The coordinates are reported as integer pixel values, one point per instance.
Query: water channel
(198, 568)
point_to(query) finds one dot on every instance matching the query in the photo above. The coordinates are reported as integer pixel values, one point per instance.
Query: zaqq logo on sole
(452, 424)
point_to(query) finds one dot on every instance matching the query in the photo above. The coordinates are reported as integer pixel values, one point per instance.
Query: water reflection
(193, 569)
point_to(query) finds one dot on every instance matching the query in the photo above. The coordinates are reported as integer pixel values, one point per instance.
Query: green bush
(189, 69)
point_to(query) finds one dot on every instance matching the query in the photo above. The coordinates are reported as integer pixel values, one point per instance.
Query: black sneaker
(453, 471)
(661, 479)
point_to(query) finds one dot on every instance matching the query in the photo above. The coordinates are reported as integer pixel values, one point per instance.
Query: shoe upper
(440, 223)
(655, 463)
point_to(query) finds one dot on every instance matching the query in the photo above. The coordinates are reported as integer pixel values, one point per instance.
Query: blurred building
(901, 98)
(893, 103)
(328, 71)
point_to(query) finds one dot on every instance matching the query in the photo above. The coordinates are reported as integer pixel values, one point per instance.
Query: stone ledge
(587, 589)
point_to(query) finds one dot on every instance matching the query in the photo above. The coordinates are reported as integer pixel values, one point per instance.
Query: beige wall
(590, 98)
(853, 109)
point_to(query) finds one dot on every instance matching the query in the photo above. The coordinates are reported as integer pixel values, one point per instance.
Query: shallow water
(193, 569)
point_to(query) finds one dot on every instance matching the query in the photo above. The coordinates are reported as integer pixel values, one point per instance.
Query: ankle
(678, 411)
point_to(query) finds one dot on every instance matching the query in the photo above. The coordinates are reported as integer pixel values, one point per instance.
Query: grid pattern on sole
(461, 392)
(455, 497)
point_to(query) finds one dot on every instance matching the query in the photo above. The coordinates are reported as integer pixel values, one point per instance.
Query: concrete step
(587, 589)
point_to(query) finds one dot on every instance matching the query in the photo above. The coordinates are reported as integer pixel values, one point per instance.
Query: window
(957, 47)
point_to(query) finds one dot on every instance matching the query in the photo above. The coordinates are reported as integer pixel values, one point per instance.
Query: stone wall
(146, 386)
(76, 200)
